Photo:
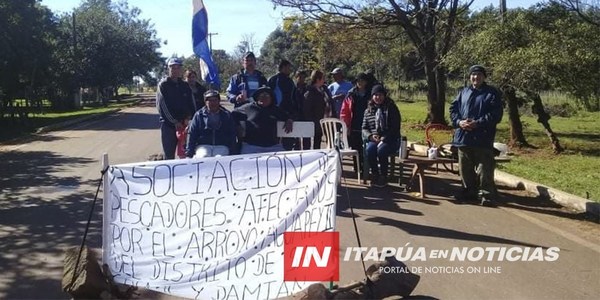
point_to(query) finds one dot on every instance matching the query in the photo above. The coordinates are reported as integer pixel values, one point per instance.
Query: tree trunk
(436, 94)
(543, 117)
(439, 110)
(517, 138)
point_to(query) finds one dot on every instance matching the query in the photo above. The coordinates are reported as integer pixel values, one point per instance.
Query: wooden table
(419, 165)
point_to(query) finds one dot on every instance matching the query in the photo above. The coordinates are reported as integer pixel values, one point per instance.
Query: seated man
(212, 131)
(257, 122)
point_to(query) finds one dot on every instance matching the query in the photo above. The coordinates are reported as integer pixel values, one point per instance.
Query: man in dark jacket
(475, 113)
(212, 131)
(243, 84)
(258, 123)
(175, 106)
(285, 91)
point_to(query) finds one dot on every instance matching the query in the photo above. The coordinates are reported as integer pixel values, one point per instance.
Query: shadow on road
(440, 188)
(40, 215)
(30, 170)
(31, 137)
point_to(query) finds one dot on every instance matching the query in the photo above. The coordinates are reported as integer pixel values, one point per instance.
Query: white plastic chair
(332, 125)
(300, 129)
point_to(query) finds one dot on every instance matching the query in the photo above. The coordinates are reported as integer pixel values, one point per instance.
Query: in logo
(311, 256)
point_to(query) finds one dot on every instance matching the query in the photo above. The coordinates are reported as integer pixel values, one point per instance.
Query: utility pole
(77, 89)
(502, 10)
(210, 34)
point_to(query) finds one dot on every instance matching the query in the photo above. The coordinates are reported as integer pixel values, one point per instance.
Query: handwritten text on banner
(213, 228)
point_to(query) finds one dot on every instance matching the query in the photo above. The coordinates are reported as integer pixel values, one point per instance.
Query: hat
(211, 93)
(249, 54)
(378, 89)
(264, 89)
(337, 71)
(477, 68)
(174, 61)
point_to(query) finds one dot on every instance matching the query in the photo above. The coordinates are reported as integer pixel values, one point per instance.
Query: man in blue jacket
(285, 91)
(243, 84)
(475, 113)
(175, 106)
(212, 131)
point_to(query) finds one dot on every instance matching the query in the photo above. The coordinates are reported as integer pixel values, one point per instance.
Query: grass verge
(10, 129)
(575, 171)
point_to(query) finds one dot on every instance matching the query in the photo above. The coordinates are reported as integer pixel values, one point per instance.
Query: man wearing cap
(243, 84)
(175, 106)
(258, 123)
(212, 131)
(338, 90)
(475, 113)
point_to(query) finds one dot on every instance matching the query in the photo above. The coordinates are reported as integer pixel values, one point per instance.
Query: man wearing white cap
(175, 106)
(338, 89)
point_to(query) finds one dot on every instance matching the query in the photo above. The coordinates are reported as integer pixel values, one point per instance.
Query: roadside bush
(561, 110)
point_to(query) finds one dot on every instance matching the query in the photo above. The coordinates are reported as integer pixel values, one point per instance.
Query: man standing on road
(475, 113)
(243, 84)
(175, 106)
(338, 90)
(285, 91)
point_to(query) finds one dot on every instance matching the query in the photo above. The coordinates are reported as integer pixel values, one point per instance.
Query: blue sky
(230, 19)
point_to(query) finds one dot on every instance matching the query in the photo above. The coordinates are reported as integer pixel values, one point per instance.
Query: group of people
(372, 117)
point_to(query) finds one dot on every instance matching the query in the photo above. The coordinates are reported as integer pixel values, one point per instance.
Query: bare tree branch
(429, 25)
(588, 10)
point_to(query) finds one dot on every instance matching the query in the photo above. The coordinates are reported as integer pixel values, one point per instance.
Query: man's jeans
(211, 151)
(474, 162)
(168, 138)
(378, 155)
(249, 149)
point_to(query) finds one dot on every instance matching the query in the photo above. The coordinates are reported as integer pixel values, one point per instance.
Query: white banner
(213, 228)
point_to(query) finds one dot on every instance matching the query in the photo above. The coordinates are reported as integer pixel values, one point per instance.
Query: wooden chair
(330, 127)
(441, 136)
(300, 129)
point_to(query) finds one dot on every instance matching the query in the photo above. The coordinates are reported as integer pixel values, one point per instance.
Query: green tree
(27, 31)
(429, 25)
(286, 42)
(572, 49)
(111, 45)
(537, 49)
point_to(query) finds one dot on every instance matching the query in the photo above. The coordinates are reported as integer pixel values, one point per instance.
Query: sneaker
(486, 201)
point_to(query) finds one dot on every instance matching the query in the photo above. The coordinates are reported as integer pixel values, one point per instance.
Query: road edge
(72, 122)
(565, 199)
(574, 202)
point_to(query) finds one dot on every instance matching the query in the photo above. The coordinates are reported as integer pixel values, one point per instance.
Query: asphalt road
(47, 186)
